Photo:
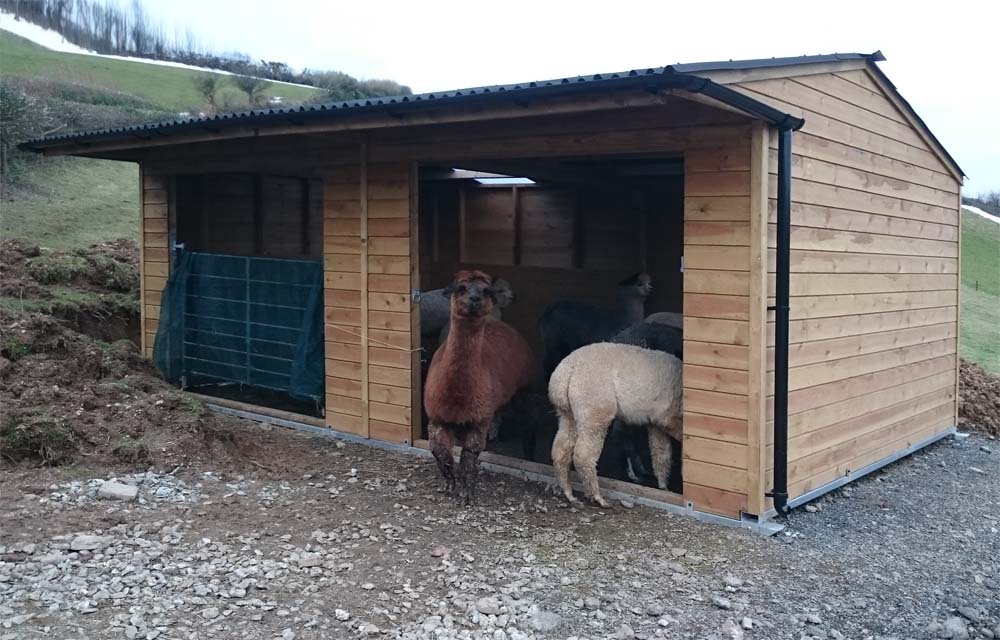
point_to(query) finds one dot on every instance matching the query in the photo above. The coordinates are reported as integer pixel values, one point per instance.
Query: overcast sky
(945, 61)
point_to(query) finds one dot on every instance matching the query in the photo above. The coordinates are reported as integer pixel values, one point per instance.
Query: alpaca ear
(631, 280)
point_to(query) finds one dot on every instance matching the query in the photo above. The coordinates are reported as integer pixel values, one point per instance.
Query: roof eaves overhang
(651, 80)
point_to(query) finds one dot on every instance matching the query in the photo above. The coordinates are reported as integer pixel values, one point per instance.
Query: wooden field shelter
(565, 187)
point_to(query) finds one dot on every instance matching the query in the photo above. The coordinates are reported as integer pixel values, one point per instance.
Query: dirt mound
(67, 396)
(979, 406)
(94, 290)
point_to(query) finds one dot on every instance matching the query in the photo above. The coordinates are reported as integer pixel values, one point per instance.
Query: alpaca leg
(529, 442)
(442, 441)
(562, 455)
(661, 453)
(553, 353)
(473, 443)
(589, 444)
(632, 438)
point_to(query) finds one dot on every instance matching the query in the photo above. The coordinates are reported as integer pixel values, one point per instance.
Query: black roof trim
(764, 63)
(916, 116)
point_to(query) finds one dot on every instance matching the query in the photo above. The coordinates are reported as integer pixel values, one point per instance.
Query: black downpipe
(779, 493)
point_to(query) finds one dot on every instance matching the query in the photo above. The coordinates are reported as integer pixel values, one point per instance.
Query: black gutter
(743, 102)
(779, 491)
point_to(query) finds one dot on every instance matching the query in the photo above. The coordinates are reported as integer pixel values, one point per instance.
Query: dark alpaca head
(639, 284)
(472, 294)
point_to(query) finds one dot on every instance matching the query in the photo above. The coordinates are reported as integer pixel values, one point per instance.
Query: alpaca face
(502, 292)
(471, 294)
(641, 284)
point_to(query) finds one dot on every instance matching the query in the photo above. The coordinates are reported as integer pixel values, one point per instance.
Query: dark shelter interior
(553, 230)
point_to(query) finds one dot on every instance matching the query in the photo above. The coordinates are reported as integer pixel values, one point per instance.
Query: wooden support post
(577, 249)
(461, 225)
(416, 379)
(958, 311)
(365, 408)
(436, 199)
(757, 358)
(142, 263)
(258, 215)
(306, 203)
(516, 213)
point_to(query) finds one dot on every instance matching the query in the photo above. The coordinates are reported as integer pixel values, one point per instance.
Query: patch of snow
(39, 35)
(979, 212)
(54, 41)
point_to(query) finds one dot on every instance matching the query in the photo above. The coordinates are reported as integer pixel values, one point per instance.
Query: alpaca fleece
(481, 365)
(631, 459)
(600, 382)
(568, 325)
(655, 336)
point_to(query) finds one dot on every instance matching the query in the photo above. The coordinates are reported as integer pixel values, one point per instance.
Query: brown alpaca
(481, 365)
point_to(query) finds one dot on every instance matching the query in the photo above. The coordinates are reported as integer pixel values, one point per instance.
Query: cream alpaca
(600, 382)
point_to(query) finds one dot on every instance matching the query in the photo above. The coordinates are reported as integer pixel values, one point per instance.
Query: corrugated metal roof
(590, 81)
(680, 74)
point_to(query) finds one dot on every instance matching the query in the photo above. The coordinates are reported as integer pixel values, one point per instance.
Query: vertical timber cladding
(874, 283)
(367, 283)
(154, 265)
(717, 287)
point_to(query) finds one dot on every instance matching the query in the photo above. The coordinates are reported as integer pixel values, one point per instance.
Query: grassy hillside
(171, 87)
(980, 334)
(70, 203)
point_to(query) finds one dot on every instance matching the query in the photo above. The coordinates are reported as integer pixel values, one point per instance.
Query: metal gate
(245, 319)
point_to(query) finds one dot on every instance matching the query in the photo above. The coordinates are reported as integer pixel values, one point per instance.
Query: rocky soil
(979, 406)
(318, 539)
(94, 290)
(65, 397)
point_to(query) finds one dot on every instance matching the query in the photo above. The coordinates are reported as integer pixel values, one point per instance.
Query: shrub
(58, 268)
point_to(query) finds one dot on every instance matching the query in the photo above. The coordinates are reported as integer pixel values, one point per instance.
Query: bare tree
(988, 201)
(253, 87)
(126, 27)
(208, 86)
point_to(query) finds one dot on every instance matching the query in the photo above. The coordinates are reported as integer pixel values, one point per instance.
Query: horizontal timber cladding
(154, 261)
(720, 471)
(874, 279)
(368, 312)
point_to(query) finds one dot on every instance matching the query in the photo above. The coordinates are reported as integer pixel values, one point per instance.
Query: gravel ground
(327, 540)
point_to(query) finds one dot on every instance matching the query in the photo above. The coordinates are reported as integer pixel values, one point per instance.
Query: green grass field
(980, 332)
(65, 203)
(170, 87)
(69, 203)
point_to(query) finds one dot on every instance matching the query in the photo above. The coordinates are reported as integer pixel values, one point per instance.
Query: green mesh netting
(237, 319)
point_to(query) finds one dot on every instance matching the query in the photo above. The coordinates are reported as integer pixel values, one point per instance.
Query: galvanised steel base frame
(863, 471)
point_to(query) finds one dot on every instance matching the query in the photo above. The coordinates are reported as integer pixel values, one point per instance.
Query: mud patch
(67, 396)
(94, 291)
(979, 406)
